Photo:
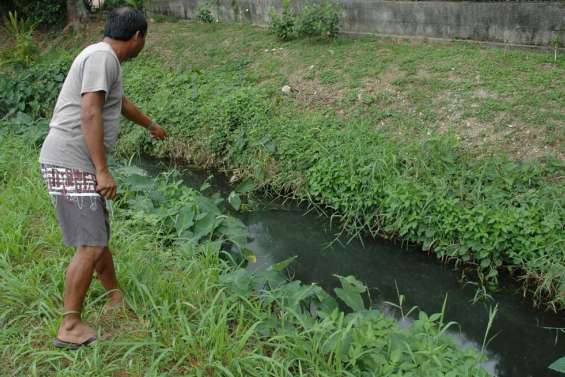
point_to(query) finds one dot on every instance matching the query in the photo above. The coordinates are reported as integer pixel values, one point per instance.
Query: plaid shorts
(81, 211)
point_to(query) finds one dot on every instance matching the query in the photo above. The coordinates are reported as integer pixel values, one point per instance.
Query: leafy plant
(314, 20)
(32, 91)
(194, 298)
(318, 20)
(205, 15)
(42, 12)
(558, 365)
(24, 49)
(283, 25)
(555, 42)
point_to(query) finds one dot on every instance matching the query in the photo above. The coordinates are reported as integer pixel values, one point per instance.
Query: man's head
(129, 26)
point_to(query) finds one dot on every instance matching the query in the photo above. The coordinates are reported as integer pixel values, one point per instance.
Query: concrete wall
(516, 23)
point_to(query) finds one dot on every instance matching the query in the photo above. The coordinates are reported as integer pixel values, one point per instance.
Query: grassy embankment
(453, 146)
(193, 310)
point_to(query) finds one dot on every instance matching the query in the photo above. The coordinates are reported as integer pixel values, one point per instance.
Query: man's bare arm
(91, 120)
(131, 112)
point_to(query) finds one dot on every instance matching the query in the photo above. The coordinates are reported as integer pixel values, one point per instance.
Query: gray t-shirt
(96, 68)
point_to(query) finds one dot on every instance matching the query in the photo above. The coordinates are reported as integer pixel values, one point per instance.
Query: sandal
(58, 343)
(63, 344)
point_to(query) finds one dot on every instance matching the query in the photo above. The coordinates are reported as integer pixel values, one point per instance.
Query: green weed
(192, 309)
(23, 49)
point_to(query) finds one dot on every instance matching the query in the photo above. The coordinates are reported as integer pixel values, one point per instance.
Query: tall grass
(192, 310)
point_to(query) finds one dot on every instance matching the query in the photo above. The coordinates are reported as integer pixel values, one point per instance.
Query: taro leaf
(239, 280)
(245, 186)
(338, 343)
(23, 119)
(158, 197)
(558, 365)
(325, 303)
(270, 278)
(128, 170)
(293, 294)
(281, 266)
(142, 204)
(234, 200)
(350, 293)
(214, 247)
(248, 254)
(138, 182)
(234, 230)
(205, 226)
(208, 205)
(185, 219)
(205, 186)
(38, 133)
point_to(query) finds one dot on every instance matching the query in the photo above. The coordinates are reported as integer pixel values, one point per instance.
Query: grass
(374, 135)
(192, 311)
(490, 98)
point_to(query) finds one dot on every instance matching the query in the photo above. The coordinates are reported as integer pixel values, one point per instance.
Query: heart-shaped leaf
(558, 365)
(245, 186)
(234, 200)
(350, 293)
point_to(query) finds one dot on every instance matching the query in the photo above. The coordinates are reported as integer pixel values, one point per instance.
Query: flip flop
(58, 343)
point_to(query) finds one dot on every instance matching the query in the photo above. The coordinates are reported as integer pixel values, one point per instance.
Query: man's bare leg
(107, 275)
(79, 276)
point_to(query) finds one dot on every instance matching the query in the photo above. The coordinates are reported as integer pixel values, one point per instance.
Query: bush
(318, 20)
(315, 20)
(205, 15)
(43, 12)
(283, 25)
(32, 91)
(24, 49)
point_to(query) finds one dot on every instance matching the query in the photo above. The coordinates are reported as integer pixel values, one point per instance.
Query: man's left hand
(157, 132)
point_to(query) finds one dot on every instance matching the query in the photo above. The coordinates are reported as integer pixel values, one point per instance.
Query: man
(84, 128)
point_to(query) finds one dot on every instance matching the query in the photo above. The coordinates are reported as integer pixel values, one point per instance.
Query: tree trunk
(76, 13)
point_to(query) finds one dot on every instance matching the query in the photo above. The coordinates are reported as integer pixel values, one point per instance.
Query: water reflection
(521, 347)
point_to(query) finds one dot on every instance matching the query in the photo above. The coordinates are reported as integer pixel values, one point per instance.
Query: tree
(76, 13)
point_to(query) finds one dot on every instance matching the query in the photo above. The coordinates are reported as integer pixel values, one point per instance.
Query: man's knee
(94, 252)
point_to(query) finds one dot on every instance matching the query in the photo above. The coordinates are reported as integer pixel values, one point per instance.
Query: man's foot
(75, 332)
(115, 300)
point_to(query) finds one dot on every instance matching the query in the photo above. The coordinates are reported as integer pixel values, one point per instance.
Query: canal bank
(522, 342)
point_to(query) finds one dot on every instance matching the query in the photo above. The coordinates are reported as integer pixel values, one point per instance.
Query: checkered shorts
(81, 211)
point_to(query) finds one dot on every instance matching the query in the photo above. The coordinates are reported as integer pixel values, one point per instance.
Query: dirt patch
(307, 87)
(423, 74)
(482, 93)
(520, 141)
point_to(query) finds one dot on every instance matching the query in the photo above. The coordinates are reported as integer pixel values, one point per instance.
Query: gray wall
(517, 23)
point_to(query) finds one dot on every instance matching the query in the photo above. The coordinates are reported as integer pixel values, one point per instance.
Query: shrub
(283, 25)
(44, 12)
(315, 20)
(24, 49)
(205, 15)
(34, 90)
(318, 20)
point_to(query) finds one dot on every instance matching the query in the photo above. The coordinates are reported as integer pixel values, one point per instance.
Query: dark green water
(522, 347)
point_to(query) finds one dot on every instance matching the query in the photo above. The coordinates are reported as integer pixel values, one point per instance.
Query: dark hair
(122, 24)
